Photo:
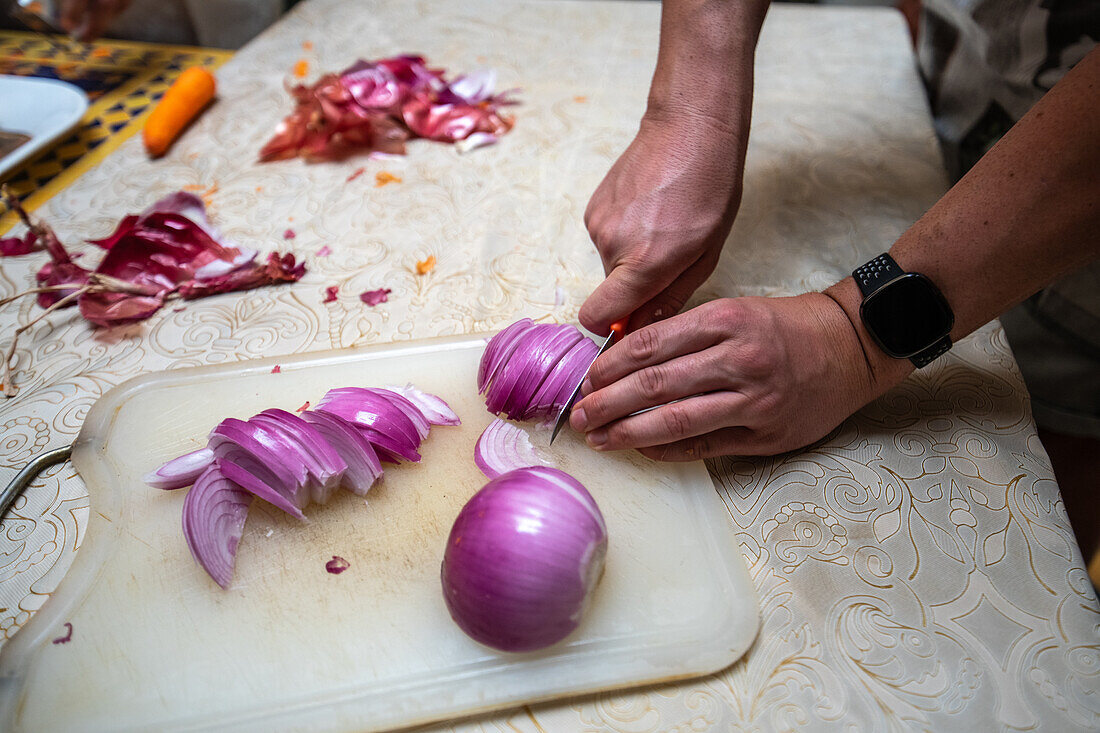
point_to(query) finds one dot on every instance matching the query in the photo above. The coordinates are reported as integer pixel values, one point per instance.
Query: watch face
(907, 315)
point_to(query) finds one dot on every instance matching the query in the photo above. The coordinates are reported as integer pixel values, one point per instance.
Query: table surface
(915, 569)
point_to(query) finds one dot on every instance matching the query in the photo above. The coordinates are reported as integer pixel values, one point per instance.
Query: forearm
(1026, 214)
(705, 63)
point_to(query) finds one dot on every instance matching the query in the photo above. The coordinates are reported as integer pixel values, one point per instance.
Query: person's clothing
(985, 63)
(216, 23)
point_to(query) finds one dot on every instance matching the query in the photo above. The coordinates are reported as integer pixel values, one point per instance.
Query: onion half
(528, 370)
(522, 559)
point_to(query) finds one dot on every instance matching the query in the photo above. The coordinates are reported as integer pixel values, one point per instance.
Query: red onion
(214, 512)
(323, 464)
(529, 370)
(523, 558)
(435, 410)
(255, 465)
(180, 472)
(386, 422)
(287, 460)
(503, 447)
(362, 461)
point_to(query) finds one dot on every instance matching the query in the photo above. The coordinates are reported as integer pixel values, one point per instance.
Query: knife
(563, 416)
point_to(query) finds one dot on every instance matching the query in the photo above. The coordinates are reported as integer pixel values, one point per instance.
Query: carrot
(189, 94)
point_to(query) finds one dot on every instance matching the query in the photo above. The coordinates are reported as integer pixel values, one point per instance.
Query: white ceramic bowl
(45, 109)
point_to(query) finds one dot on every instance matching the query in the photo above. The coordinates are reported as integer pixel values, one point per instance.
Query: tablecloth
(915, 569)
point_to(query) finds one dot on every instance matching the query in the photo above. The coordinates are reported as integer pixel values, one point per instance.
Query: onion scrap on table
(374, 297)
(380, 105)
(170, 250)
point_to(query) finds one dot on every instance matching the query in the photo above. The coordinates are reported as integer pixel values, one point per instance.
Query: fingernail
(578, 420)
(597, 438)
(586, 386)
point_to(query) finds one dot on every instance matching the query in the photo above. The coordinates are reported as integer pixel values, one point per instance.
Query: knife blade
(563, 415)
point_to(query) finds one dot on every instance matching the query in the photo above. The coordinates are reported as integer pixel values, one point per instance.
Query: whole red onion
(523, 558)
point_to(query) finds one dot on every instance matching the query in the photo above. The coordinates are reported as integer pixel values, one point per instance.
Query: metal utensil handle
(30, 473)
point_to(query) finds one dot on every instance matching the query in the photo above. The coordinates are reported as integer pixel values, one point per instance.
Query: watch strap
(933, 352)
(874, 274)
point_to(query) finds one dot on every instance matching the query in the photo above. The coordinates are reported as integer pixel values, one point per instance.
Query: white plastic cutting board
(158, 645)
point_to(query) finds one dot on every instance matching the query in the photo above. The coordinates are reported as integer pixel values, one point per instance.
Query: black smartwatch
(905, 313)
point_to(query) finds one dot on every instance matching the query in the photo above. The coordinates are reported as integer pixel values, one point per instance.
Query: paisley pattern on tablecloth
(915, 568)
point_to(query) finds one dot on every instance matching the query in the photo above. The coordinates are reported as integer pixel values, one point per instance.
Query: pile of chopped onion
(529, 370)
(290, 460)
(523, 558)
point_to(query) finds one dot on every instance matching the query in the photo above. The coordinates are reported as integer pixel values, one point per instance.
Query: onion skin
(523, 558)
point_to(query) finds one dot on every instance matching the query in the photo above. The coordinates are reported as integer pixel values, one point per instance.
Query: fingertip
(590, 316)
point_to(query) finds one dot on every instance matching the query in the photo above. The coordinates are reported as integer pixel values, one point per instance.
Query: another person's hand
(754, 376)
(86, 20)
(660, 217)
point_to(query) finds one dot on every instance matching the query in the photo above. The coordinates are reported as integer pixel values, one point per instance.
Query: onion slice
(362, 461)
(180, 472)
(503, 447)
(256, 466)
(214, 513)
(386, 422)
(324, 465)
(434, 408)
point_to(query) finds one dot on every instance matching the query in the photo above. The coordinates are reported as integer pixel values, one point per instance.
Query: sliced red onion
(542, 359)
(523, 558)
(434, 408)
(214, 513)
(256, 466)
(362, 460)
(499, 348)
(563, 378)
(503, 447)
(528, 371)
(408, 407)
(386, 424)
(325, 466)
(180, 472)
(287, 459)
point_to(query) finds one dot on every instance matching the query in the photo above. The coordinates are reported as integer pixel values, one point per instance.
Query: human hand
(754, 376)
(86, 20)
(660, 217)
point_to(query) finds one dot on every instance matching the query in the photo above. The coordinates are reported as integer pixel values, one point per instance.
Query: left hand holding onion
(736, 376)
